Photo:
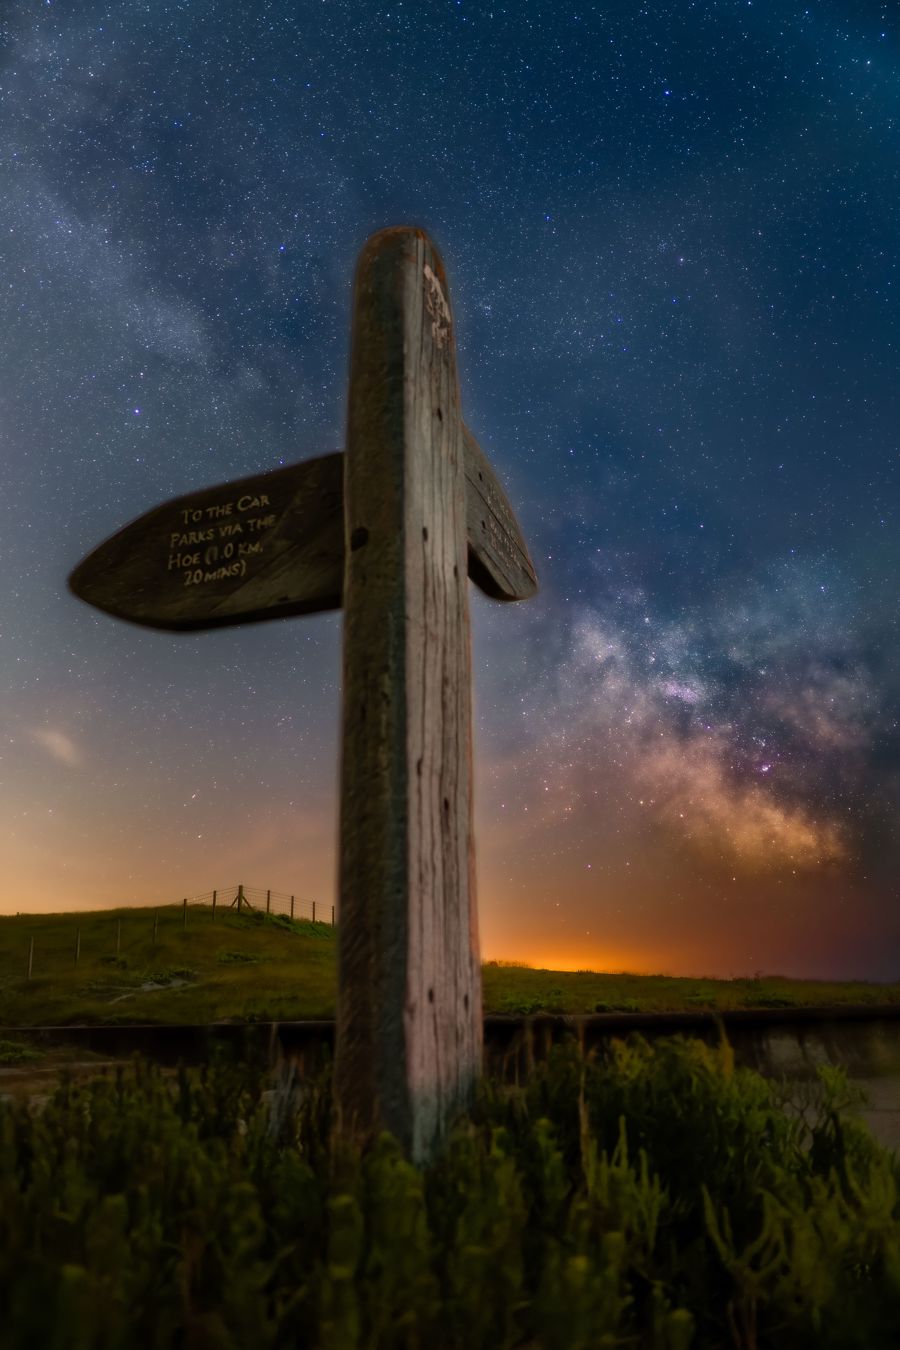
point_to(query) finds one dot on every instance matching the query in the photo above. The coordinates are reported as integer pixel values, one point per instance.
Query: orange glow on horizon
(619, 962)
(552, 967)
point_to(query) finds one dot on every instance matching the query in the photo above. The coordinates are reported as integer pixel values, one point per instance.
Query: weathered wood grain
(499, 563)
(282, 555)
(409, 987)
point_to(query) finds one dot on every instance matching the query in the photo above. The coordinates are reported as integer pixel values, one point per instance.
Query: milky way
(749, 729)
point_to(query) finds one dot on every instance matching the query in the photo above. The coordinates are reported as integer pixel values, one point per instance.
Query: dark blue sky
(671, 238)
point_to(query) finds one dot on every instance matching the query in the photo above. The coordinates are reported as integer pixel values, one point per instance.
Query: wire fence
(256, 900)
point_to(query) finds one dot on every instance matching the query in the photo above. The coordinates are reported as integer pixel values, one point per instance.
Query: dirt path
(36, 1079)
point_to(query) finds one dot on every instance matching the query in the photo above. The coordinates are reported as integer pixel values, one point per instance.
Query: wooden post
(118, 937)
(214, 907)
(155, 925)
(30, 955)
(292, 906)
(332, 916)
(409, 1033)
(314, 911)
(184, 913)
(391, 529)
(77, 944)
(268, 901)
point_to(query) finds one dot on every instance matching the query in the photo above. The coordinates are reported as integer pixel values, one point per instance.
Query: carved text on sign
(201, 552)
(438, 309)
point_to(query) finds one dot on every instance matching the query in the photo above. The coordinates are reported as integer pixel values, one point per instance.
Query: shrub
(16, 1052)
(169, 974)
(657, 1198)
(550, 1001)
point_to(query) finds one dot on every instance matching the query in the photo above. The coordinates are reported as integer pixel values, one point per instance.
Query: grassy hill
(242, 966)
(252, 967)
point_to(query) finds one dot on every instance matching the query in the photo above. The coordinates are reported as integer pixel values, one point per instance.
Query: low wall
(782, 1043)
(777, 1042)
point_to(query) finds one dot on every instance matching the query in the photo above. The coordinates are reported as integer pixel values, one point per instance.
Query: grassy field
(250, 967)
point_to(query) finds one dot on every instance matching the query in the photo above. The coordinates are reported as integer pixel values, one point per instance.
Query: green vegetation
(519, 990)
(252, 967)
(17, 1052)
(243, 966)
(657, 1198)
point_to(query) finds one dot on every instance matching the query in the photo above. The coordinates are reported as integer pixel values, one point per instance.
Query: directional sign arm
(498, 558)
(260, 548)
(213, 557)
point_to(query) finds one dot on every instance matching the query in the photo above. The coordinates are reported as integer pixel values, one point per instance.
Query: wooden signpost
(389, 530)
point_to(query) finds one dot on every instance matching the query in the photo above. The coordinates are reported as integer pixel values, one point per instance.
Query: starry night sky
(671, 235)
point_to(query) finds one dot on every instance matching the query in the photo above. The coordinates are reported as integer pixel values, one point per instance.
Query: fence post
(184, 913)
(77, 944)
(332, 916)
(292, 906)
(268, 901)
(155, 925)
(314, 911)
(30, 955)
(118, 937)
(240, 897)
(214, 907)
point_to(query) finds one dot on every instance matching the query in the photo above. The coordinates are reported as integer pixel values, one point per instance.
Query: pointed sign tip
(264, 547)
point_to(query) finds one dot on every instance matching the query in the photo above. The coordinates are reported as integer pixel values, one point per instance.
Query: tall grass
(658, 1198)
